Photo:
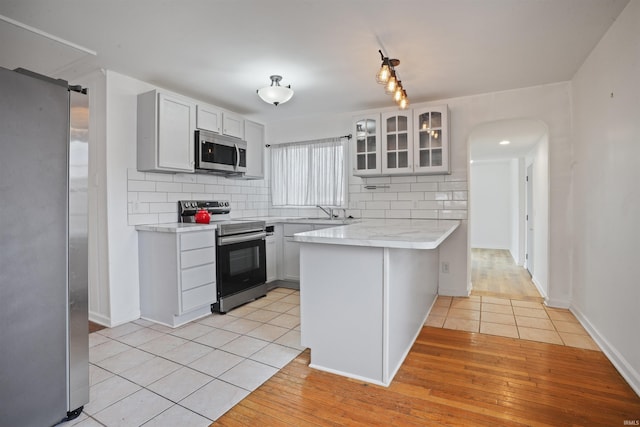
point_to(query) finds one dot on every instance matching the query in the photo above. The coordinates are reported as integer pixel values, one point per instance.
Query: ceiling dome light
(275, 94)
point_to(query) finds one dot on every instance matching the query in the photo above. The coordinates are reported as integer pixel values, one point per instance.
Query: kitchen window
(309, 173)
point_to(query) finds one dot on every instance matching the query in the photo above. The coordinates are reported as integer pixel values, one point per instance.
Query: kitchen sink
(326, 221)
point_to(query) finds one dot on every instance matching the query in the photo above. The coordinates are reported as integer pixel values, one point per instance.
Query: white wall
(121, 155)
(539, 158)
(606, 195)
(548, 103)
(98, 269)
(491, 204)
(517, 192)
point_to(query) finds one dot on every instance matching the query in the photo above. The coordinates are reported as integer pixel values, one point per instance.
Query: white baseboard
(108, 322)
(452, 292)
(628, 372)
(99, 319)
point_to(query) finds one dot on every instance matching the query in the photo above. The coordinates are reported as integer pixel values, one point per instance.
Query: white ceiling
(221, 51)
(522, 134)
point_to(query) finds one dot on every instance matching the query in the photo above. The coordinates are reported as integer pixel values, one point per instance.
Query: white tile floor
(146, 374)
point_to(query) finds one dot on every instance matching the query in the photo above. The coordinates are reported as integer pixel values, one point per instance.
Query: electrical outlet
(445, 267)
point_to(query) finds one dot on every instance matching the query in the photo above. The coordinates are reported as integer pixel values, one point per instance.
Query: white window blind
(309, 173)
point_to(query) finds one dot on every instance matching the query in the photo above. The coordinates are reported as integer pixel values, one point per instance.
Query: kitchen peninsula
(365, 292)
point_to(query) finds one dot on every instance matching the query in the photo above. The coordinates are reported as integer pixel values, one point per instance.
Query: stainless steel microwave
(220, 153)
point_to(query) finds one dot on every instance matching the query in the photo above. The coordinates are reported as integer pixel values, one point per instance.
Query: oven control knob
(226, 204)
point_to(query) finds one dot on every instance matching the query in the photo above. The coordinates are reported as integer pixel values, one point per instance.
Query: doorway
(528, 257)
(502, 223)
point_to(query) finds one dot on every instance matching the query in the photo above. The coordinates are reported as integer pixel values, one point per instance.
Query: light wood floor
(451, 378)
(495, 274)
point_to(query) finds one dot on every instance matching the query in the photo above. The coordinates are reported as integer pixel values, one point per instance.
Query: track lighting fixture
(392, 85)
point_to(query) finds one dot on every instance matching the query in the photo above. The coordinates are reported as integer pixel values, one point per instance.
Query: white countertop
(175, 227)
(270, 220)
(386, 233)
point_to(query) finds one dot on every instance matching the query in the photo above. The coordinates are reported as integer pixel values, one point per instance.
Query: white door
(529, 220)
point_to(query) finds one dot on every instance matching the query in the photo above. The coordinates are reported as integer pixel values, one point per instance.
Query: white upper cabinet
(412, 142)
(233, 125)
(213, 119)
(431, 139)
(254, 135)
(366, 150)
(209, 118)
(166, 125)
(397, 143)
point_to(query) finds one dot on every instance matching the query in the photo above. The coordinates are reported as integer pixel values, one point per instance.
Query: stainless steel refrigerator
(44, 350)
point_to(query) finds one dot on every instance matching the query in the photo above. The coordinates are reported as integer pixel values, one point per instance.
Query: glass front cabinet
(402, 142)
(366, 160)
(431, 139)
(397, 156)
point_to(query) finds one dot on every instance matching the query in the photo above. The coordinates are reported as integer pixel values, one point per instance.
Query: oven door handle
(229, 240)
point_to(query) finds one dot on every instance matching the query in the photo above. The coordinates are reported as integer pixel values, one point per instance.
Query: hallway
(495, 274)
(505, 302)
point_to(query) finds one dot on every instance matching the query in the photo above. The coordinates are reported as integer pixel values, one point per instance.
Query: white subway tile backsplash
(452, 214)
(377, 180)
(430, 178)
(424, 186)
(214, 188)
(135, 185)
(378, 205)
(168, 186)
(152, 197)
(424, 214)
(456, 176)
(429, 204)
(403, 179)
(148, 196)
(419, 195)
(406, 205)
(137, 219)
(207, 179)
(397, 214)
(168, 217)
(460, 195)
(162, 208)
(193, 188)
(174, 197)
(399, 187)
(373, 213)
(202, 196)
(385, 196)
(440, 195)
(185, 177)
(158, 177)
(453, 186)
(455, 204)
(361, 196)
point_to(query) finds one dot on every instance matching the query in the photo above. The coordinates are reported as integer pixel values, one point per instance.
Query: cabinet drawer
(198, 276)
(291, 229)
(198, 297)
(195, 257)
(201, 239)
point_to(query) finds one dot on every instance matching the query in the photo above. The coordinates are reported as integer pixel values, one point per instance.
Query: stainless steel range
(240, 253)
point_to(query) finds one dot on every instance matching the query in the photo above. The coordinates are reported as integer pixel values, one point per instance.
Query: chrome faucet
(328, 212)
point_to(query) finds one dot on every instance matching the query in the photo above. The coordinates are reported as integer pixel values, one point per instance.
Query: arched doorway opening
(509, 208)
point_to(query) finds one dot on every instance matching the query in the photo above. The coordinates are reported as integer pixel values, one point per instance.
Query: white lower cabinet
(271, 249)
(291, 249)
(291, 260)
(177, 275)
